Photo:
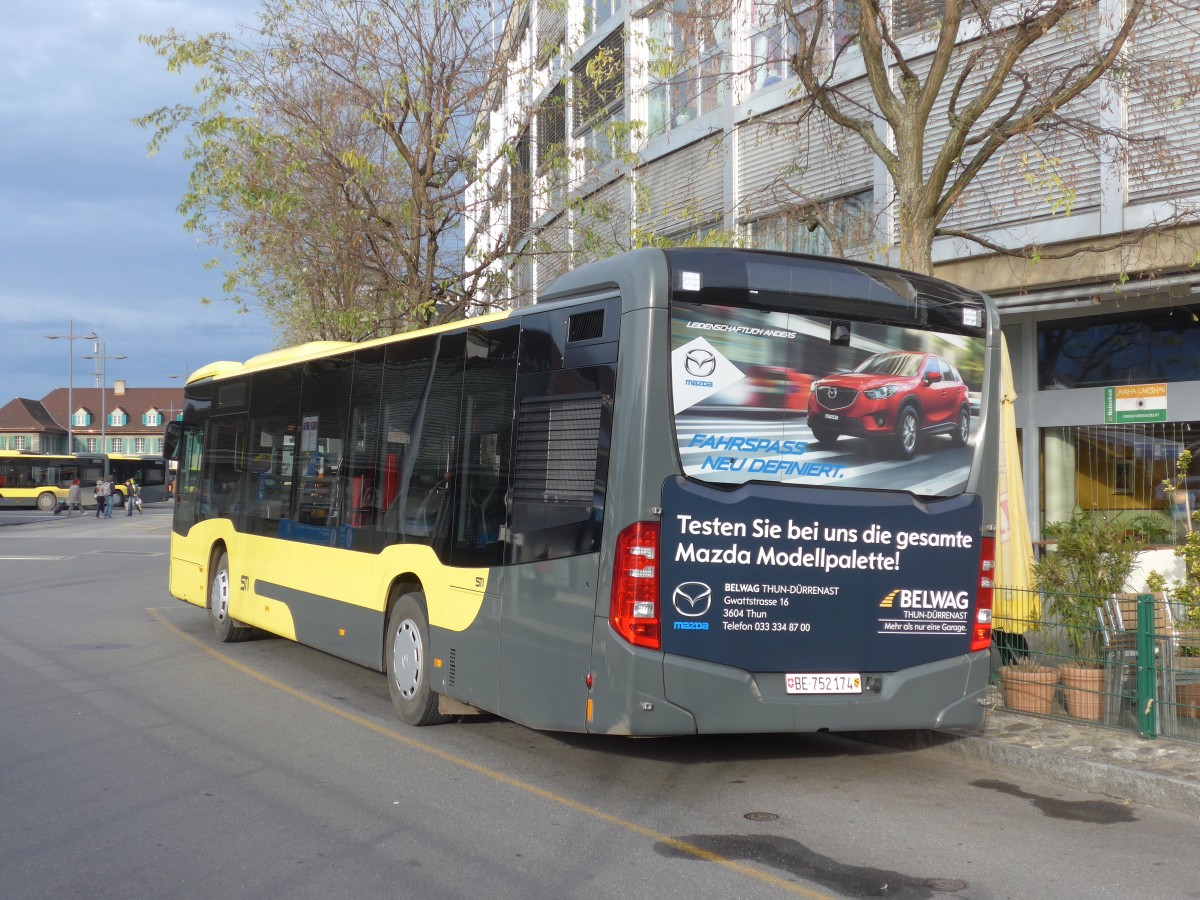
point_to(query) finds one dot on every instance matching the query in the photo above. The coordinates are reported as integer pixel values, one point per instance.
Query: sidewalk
(1163, 773)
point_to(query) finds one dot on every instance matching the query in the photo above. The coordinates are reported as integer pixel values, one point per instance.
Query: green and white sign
(1135, 403)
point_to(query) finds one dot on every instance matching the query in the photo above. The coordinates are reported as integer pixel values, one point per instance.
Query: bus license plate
(841, 683)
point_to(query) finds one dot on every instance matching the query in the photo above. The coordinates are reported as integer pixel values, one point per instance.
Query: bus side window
(222, 488)
(489, 384)
(560, 463)
(422, 438)
(323, 422)
(274, 406)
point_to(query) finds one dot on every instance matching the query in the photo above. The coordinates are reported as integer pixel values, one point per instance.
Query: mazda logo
(700, 363)
(692, 599)
(830, 392)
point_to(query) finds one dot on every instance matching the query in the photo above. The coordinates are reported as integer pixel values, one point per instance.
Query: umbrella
(1017, 606)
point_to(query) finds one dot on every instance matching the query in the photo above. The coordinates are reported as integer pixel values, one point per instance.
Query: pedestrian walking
(99, 493)
(108, 496)
(74, 498)
(133, 497)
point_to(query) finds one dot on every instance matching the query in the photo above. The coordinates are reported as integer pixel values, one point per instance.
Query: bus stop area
(1116, 763)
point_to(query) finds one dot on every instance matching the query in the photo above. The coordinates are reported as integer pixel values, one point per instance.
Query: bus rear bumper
(946, 694)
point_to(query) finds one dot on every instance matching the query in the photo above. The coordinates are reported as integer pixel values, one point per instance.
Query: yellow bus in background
(41, 480)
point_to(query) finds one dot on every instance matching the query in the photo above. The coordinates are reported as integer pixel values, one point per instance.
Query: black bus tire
(228, 629)
(47, 501)
(406, 657)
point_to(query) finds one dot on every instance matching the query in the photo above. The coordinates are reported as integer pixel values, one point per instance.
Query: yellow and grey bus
(688, 491)
(42, 480)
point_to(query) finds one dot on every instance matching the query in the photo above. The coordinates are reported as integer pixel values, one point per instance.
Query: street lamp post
(70, 337)
(99, 356)
(181, 377)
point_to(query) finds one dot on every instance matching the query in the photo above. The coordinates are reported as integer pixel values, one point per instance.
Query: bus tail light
(633, 605)
(981, 633)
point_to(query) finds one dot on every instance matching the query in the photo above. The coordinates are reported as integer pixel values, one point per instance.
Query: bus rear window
(817, 399)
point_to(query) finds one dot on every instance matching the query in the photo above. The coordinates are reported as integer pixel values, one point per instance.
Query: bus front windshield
(810, 398)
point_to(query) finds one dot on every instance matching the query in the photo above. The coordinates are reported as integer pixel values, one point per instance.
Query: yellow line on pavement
(495, 775)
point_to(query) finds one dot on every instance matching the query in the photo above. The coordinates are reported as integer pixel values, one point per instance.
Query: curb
(1128, 779)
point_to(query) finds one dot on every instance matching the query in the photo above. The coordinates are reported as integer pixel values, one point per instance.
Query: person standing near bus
(74, 498)
(109, 490)
(99, 493)
(133, 497)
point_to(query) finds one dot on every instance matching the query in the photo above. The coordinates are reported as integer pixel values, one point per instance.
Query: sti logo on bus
(691, 599)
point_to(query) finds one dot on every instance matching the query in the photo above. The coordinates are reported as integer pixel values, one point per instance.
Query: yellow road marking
(454, 759)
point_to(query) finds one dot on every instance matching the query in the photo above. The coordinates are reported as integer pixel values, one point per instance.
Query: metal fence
(1128, 661)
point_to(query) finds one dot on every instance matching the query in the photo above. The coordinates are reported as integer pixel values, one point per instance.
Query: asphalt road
(141, 758)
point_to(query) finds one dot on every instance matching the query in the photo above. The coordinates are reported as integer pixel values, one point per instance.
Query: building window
(520, 197)
(1117, 471)
(82, 418)
(20, 442)
(552, 144)
(139, 445)
(115, 445)
(831, 228)
(597, 12)
(773, 40)
(551, 31)
(599, 97)
(1139, 347)
(910, 14)
(93, 445)
(152, 417)
(118, 418)
(687, 72)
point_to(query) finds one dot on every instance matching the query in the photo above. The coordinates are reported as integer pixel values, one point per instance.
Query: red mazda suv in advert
(901, 396)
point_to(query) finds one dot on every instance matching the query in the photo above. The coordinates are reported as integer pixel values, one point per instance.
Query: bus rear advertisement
(689, 491)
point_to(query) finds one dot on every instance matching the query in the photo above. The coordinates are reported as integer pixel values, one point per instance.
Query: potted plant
(1185, 597)
(1029, 686)
(1091, 560)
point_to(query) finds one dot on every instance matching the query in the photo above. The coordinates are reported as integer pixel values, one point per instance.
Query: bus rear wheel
(408, 665)
(228, 629)
(46, 501)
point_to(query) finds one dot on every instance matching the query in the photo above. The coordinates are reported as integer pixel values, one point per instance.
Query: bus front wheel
(46, 501)
(228, 629)
(408, 663)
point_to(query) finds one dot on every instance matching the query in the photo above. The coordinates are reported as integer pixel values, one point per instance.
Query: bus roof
(320, 349)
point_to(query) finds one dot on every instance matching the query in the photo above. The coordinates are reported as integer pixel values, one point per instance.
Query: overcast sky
(88, 224)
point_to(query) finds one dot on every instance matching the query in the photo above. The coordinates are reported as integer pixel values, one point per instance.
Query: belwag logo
(925, 599)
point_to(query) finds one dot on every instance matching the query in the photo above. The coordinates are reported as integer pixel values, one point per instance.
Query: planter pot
(1187, 698)
(1083, 692)
(1029, 688)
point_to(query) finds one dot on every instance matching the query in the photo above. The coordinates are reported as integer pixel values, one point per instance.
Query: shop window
(1117, 471)
(1137, 347)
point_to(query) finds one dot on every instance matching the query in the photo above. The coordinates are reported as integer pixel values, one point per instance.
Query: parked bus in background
(38, 480)
(689, 491)
(149, 472)
(41, 480)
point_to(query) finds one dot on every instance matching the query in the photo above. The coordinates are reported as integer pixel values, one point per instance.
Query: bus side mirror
(172, 440)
